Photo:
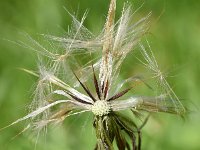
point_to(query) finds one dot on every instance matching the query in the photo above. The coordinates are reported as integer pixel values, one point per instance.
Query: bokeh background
(175, 38)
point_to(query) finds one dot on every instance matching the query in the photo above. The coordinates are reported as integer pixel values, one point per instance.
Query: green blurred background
(175, 38)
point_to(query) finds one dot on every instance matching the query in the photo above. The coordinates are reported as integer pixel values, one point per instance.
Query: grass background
(175, 38)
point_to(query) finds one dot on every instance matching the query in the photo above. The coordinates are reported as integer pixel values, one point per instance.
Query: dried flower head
(104, 98)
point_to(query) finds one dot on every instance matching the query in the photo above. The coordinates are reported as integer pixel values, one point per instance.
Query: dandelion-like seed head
(100, 108)
(110, 96)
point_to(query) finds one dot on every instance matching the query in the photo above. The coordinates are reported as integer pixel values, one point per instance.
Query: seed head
(57, 78)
